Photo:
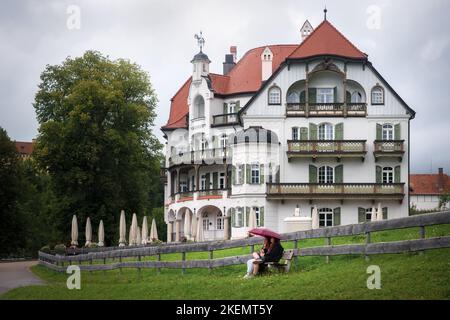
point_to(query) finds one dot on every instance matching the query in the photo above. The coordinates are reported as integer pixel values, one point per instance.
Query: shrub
(45, 249)
(93, 245)
(60, 249)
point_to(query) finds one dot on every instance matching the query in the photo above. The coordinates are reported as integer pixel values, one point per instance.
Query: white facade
(266, 177)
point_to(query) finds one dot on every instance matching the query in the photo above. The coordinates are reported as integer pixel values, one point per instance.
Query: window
(193, 183)
(325, 217)
(223, 141)
(274, 96)
(325, 131)
(325, 175)
(325, 95)
(388, 132)
(369, 214)
(388, 175)
(183, 186)
(199, 107)
(295, 134)
(204, 143)
(203, 182)
(258, 217)
(239, 215)
(219, 221)
(254, 174)
(240, 174)
(231, 107)
(356, 97)
(222, 180)
(377, 95)
(293, 97)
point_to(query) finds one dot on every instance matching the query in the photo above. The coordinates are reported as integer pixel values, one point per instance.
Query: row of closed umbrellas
(137, 235)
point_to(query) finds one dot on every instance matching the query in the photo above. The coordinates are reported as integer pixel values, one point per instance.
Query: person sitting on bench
(256, 256)
(274, 254)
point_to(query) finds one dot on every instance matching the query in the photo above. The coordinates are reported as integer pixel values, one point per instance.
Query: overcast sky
(409, 45)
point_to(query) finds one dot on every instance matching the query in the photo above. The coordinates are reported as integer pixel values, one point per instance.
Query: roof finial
(325, 13)
(200, 40)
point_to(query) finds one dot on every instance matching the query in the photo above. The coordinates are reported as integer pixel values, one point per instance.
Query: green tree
(96, 140)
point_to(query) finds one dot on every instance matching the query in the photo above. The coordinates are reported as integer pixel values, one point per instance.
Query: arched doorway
(212, 223)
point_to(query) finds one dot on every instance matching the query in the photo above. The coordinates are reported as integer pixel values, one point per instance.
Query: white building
(427, 189)
(307, 124)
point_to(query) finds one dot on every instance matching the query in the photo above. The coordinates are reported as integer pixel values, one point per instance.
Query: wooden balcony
(326, 110)
(336, 191)
(207, 156)
(389, 149)
(210, 194)
(185, 196)
(226, 119)
(326, 149)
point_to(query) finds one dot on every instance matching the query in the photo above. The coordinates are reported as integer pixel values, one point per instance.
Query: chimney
(306, 30)
(230, 60)
(266, 64)
(441, 180)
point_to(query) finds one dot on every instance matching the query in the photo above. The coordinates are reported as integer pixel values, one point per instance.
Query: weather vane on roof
(200, 40)
(325, 13)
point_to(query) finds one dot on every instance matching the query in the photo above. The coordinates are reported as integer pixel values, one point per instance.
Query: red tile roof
(24, 148)
(327, 40)
(246, 75)
(428, 184)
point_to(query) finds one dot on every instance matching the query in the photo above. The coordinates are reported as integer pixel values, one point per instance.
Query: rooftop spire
(200, 40)
(325, 13)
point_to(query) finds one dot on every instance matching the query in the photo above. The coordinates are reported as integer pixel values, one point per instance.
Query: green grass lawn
(403, 276)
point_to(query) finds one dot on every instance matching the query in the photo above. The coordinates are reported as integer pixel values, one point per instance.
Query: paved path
(17, 274)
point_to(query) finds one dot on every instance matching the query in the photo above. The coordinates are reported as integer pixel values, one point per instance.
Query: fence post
(90, 262)
(158, 270)
(296, 257)
(104, 263)
(366, 257)
(422, 236)
(120, 261)
(211, 253)
(328, 243)
(139, 269)
(183, 258)
(252, 248)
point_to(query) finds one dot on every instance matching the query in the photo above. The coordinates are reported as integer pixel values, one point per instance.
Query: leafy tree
(444, 199)
(96, 140)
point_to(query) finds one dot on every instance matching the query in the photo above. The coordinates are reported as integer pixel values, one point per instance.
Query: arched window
(388, 175)
(199, 107)
(326, 175)
(325, 131)
(293, 97)
(377, 95)
(356, 97)
(223, 141)
(325, 217)
(219, 221)
(295, 133)
(388, 131)
(274, 96)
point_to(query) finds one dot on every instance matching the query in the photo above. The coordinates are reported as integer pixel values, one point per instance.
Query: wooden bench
(282, 266)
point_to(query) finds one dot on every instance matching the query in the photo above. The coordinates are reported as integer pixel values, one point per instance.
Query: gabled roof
(179, 108)
(326, 40)
(428, 184)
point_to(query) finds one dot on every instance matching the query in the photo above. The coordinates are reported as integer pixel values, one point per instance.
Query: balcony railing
(211, 193)
(225, 119)
(185, 195)
(326, 148)
(326, 109)
(209, 156)
(393, 191)
(389, 148)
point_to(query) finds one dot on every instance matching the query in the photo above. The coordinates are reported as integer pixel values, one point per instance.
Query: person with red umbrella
(272, 251)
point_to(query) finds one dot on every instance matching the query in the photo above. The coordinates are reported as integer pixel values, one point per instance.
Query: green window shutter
(261, 217)
(312, 131)
(335, 97)
(348, 96)
(339, 174)
(378, 174)
(247, 215)
(207, 183)
(237, 106)
(379, 131)
(397, 176)
(248, 173)
(312, 95)
(302, 97)
(233, 218)
(312, 174)
(215, 178)
(225, 108)
(337, 217)
(397, 135)
(385, 213)
(339, 131)
(303, 133)
(240, 213)
(261, 173)
(361, 215)
(233, 174)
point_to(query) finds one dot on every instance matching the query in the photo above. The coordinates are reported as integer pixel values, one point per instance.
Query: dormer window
(199, 107)
(274, 96)
(377, 95)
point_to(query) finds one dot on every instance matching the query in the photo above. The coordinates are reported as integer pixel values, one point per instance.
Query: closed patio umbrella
(133, 230)
(315, 218)
(199, 235)
(194, 226)
(74, 233)
(101, 234)
(153, 231)
(379, 213)
(252, 219)
(122, 229)
(187, 223)
(373, 214)
(144, 235)
(138, 236)
(88, 232)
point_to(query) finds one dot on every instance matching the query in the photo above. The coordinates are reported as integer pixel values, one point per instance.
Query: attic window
(274, 96)
(377, 95)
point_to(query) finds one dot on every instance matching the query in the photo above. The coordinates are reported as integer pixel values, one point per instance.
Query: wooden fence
(85, 260)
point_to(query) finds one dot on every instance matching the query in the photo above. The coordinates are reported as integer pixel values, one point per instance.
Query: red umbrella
(265, 233)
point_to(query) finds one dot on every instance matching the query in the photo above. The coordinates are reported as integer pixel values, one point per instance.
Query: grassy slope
(403, 276)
